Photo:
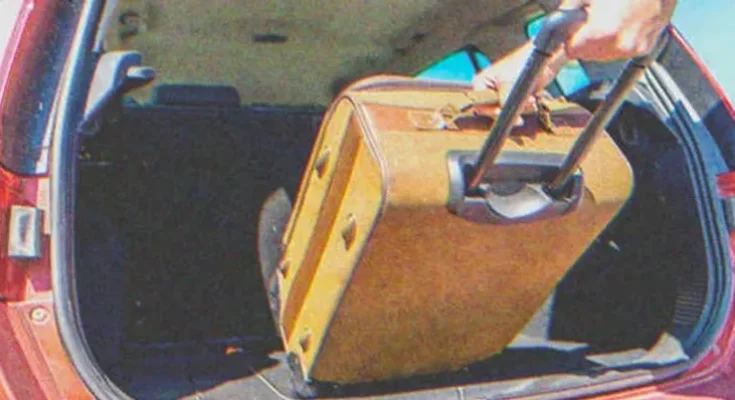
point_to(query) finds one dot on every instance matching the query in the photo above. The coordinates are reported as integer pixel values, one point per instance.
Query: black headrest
(196, 95)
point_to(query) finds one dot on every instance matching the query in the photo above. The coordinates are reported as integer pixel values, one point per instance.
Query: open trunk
(171, 297)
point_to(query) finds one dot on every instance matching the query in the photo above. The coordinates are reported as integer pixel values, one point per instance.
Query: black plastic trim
(729, 206)
(716, 305)
(526, 176)
(70, 106)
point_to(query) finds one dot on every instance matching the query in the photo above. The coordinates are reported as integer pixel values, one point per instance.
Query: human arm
(614, 30)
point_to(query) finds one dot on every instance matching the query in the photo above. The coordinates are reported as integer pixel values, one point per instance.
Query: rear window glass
(707, 26)
(458, 66)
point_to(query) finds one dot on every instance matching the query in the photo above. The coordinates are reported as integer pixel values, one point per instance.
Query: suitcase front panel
(434, 292)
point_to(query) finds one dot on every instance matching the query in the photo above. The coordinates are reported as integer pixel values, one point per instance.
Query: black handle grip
(558, 27)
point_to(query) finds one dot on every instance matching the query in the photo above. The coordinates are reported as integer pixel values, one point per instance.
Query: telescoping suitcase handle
(558, 27)
(560, 188)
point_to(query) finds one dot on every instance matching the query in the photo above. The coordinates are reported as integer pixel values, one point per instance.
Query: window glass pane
(455, 67)
(482, 60)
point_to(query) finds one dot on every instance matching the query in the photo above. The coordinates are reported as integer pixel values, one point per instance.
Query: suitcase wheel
(271, 225)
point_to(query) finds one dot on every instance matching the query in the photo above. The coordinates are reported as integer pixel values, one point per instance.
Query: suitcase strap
(446, 118)
(480, 103)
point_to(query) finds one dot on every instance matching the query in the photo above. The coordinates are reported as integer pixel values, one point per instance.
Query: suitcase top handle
(559, 26)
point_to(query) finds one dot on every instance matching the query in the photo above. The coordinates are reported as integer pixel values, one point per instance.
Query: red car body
(35, 363)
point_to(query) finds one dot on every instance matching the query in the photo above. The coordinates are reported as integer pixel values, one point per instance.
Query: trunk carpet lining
(183, 189)
(175, 193)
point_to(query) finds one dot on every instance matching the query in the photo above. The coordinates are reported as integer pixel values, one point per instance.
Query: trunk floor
(257, 370)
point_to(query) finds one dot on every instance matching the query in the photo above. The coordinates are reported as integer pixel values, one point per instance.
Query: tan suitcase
(396, 264)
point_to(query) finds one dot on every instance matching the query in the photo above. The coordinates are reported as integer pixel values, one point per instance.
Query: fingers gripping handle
(558, 27)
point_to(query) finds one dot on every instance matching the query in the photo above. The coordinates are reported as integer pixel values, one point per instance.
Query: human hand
(618, 29)
(615, 29)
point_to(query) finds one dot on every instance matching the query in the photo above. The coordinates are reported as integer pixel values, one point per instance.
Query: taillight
(34, 40)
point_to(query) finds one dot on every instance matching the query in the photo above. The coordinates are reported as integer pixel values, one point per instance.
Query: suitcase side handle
(557, 28)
